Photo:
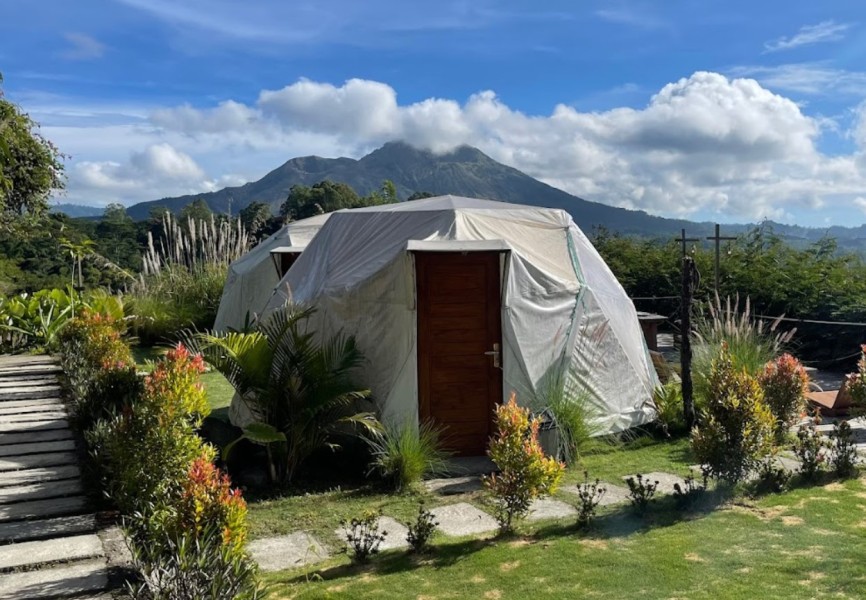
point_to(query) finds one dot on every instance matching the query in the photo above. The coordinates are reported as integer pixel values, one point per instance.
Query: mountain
(78, 210)
(467, 171)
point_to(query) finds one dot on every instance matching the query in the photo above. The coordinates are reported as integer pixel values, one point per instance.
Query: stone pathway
(455, 520)
(49, 542)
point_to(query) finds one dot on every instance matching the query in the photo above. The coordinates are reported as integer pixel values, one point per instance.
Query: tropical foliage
(785, 383)
(404, 454)
(298, 386)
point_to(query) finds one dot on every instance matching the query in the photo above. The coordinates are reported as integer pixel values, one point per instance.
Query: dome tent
(457, 302)
(252, 278)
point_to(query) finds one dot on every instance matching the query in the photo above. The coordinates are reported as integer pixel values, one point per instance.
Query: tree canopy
(31, 167)
(327, 196)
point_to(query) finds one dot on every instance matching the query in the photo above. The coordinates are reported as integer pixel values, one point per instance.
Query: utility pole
(718, 240)
(688, 291)
(684, 240)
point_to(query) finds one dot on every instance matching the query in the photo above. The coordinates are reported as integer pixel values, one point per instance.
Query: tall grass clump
(750, 343)
(561, 392)
(404, 454)
(183, 273)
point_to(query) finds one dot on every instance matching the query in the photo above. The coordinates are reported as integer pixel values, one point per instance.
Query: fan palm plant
(299, 388)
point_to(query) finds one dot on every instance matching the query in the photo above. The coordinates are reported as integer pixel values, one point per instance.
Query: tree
(198, 210)
(324, 197)
(31, 167)
(116, 213)
(419, 196)
(255, 216)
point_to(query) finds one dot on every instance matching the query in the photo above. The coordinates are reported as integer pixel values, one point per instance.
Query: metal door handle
(495, 354)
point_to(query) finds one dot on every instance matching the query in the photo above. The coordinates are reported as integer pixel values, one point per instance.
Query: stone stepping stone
(548, 508)
(463, 519)
(26, 554)
(25, 476)
(37, 448)
(74, 580)
(51, 435)
(21, 427)
(25, 371)
(34, 382)
(41, 509)
(287, 551)
(41, 491)
(454, 485)
(20, 531)
(666, 481)
(37, 461)
(613, 495)
(7, 404)
(395, 539)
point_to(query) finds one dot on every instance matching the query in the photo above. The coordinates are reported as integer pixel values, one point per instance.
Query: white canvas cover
(562, 307)
(252, 278)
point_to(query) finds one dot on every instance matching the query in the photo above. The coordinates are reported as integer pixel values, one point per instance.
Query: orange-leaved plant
(856, 382)
(525, 473)
(785, 383)
(208, 502)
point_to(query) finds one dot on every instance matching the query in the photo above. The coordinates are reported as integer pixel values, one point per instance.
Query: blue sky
(729, 111)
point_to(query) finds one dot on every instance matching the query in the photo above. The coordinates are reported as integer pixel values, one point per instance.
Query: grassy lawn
(219, 391)
(810, 542)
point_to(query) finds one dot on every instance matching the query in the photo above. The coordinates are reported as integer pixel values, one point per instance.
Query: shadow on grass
(395, 561)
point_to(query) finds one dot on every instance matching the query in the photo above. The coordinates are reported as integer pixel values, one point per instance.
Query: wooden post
(686, 344)
(684, 240)
(718, 241)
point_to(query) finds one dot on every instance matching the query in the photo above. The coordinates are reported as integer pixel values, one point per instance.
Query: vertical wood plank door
(459, 319)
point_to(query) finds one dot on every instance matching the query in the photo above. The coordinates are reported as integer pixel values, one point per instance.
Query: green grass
(810, 542)
(219, 391)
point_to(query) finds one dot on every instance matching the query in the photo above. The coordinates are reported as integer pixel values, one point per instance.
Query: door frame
(501, 250)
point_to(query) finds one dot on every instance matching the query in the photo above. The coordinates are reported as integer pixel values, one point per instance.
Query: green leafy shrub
(151, 445)
(403, 455)
(856, 382)
(687, 494)
(292, 382)
(669, 407)
(844, 450)
(784, 382)
(737, 427)
(524, 472)
(640, 491)
(363, 536)
(187, 566)
(421, 530)
(589, 493)
(771, 479)
(811, 450)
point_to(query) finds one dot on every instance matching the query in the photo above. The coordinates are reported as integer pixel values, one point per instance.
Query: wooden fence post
(686, 345)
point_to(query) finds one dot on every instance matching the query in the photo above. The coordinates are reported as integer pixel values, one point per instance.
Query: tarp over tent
(252, 278)
(561, 306)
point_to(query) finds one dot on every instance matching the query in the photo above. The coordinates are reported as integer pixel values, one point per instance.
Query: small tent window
(284, 257)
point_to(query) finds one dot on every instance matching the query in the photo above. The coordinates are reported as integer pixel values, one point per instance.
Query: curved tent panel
(252, 278)
(560, 306)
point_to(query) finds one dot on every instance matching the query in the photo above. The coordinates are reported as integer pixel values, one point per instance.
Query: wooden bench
(832, 403)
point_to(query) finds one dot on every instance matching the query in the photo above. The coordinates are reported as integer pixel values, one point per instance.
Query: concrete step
(43, 509)
(15, 360)
(31, 554)
(24, 426)
(41, 491)
(32, 402)
(37, 461)
(57, 582)
(40, 417)
(30, 371)
(26, 476)
(6, 377)
(37, 448)
(25, 392)
(55, 407)
(22, 531)
(26, 437)
(37, 381)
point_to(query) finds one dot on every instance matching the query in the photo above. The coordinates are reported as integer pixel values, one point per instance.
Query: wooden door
(459, 320)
